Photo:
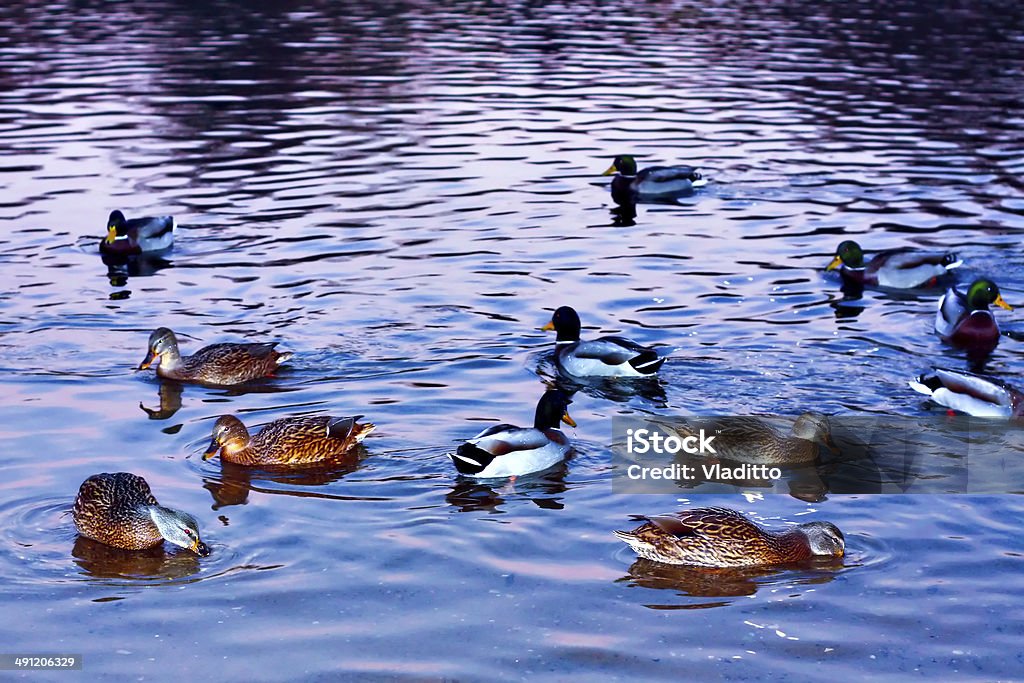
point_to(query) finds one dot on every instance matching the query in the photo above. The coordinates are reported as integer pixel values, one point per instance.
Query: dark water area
(400, 193)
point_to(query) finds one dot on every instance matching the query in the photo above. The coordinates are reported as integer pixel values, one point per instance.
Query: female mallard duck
(138, 235)
(119, 510)
(894, 268)
(601, 357)
(656, 182)
(505, 450)
(291, 441)
(969, 393)
(216, 364)
(719, 537)
(753, 440)
(964, 320)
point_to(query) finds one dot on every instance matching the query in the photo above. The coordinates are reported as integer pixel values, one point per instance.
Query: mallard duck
(505, 450)
(894, 268)
(969, 393)
(290, 441)
(753, 440)
(963, 319)
(720, 537)
(222, 364)
(655, 182)
(601, 357)
(138, 235)
(119, 510)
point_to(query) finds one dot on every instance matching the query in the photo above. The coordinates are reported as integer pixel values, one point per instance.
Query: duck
(893, 268)
(601, 357)
(220, 364)
(717, 537)
(505, 450)
(964, 319)
(751, 439)
(655, 182)
(292, 441)
(118, 509)
(138, 235)
(966, 392)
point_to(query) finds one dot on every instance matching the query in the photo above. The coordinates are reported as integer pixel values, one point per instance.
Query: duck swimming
(751, 439)
(222, 364)
(290, 441)
(720, 537)
(138, 235)
(505, 450)
(965, 321)
(894, 268)
(656, 182)
(969, 393)
(601, 357)
(119, 510)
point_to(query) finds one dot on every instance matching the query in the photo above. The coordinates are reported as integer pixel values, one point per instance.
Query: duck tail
(361, 431)
(283, 357)
(951, 261)
(647, 362)
(470, 459)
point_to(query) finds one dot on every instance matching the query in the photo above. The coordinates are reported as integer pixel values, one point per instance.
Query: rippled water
(401, 194)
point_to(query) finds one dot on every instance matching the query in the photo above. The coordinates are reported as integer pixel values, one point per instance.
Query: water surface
(401, 194)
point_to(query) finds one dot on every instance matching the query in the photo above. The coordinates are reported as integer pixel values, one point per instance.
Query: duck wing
(152, 233)
(952, 309)
(667, 174)
(609, 350)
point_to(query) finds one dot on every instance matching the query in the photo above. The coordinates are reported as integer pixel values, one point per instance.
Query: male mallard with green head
(894, 268)
(655, 182)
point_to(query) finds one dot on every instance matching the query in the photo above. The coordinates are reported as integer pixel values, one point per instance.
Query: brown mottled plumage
(119, 510)
(720, 537)
(755, 440)
(217, 364)
(291, 441)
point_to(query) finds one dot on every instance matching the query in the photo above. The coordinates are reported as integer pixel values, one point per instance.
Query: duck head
(824, 539)
(566, 323)
(848, 253)
(229, 434)
(179, 528)
(117, 227)
(623, 164)
(162, 344)
(983, 293)
(552, 409)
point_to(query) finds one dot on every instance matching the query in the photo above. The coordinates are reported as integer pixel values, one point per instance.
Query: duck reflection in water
(120, 268)
(544, 489)
(170, 393)
(235, 482)
(619, 390)
(624, 215)
(724, 583)
(163, 562)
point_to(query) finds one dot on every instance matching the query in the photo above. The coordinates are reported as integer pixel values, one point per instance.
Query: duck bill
(836, 262)
(549, 327)
(1001, 303)
(568, 420)
(211, 450)
(611, 170)
(111, 235)
(200, 548)
(150, 359)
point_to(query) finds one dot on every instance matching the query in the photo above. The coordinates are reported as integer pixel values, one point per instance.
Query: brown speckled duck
(291, 441)
(754, 440)
(720, 537)
(119, 510)
(222, 364)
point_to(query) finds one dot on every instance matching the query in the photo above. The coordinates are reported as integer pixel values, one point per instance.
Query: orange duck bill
(151, 358)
